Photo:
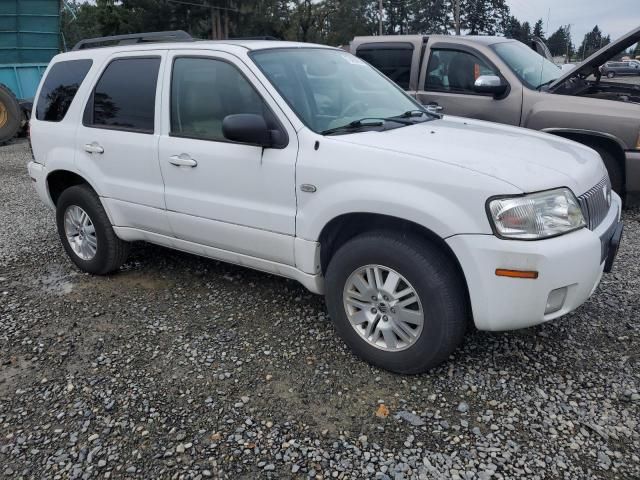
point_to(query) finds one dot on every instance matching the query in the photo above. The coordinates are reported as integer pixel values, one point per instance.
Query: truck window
(60, 88)
(455, 71)
(125, 96)
(204, 91)
(392, 59)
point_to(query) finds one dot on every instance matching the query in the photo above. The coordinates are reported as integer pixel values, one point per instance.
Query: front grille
(595, 203)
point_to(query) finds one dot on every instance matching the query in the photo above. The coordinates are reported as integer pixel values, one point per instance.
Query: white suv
(303, 161)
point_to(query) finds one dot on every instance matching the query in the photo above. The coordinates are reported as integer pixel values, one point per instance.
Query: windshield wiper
(365, 122)
(546, 83)
(412, 113)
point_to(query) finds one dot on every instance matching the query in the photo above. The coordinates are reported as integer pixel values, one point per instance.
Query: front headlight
(537, 215)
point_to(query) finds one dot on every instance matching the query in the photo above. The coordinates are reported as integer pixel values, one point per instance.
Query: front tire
(86, 232)
(616, 175)
(398, 301)
(611, 75)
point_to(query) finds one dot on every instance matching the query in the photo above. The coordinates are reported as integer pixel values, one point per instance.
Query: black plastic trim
(135, 38)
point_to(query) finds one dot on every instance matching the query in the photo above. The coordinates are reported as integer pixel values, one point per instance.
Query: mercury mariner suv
(303, 161)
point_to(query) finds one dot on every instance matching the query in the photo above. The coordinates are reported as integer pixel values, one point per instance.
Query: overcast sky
(614, 17)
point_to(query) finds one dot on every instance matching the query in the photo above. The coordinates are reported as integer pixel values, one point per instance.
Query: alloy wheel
(80, 232)
(383, 307)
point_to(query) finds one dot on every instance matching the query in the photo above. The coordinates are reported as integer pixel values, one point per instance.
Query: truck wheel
(396, 301)
(10, 114)
(614, 170)
(86, 232)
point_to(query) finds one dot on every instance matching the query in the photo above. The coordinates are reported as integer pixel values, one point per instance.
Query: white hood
(529, 160)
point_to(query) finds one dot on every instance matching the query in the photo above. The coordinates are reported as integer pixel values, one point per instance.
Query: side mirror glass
(247, 128)
(490, 84)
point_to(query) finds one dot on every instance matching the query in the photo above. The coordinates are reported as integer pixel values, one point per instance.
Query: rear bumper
(575, 261)
(38, 175)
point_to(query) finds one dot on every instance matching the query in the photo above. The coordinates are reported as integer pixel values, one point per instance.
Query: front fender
(434, 211)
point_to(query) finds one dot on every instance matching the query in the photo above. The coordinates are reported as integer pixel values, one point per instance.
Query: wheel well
(605, 143)
(60, 180)
(343, 228)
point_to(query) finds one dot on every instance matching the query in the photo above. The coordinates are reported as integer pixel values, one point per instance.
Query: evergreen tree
(538, 29)
(560, 42)
(593, 41)
(525, 35)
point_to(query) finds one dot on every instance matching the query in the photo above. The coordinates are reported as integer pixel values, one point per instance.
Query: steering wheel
(352, 108)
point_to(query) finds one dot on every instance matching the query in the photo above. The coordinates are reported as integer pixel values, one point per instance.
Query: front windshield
(331, 88)
(531, 68)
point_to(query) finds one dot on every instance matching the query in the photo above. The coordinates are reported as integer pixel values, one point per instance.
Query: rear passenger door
(117, 141)
(232, 196)
(448, 81)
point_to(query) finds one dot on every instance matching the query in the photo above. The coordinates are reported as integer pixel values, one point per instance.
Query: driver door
(448, 83)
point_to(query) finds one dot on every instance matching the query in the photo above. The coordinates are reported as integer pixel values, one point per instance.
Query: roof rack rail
(260, 37)
(149, 37)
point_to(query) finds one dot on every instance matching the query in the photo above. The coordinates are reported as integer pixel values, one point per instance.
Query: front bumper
(38, 175)
(576, 261)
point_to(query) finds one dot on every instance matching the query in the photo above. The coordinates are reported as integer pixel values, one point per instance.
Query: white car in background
(303, 161)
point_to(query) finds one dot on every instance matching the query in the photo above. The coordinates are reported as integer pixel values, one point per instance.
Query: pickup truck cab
(505, 81)
(303, 161)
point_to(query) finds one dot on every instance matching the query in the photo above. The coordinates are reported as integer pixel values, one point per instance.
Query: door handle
(93, 147)
(182, 160)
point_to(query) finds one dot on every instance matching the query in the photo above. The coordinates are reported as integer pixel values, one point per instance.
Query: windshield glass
(531, 68)
(331, 88)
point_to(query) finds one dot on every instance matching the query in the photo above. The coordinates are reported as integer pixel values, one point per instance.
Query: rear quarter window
(394, 60)
(60, 88)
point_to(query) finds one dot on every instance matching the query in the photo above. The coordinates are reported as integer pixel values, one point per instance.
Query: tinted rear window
(59, 89)
(125, 96)
(392, 60)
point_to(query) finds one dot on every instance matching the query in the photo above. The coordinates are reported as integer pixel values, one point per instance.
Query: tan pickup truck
(505, 81)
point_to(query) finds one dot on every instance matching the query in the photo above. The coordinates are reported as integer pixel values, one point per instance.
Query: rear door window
(125, 96)
(60, 88)
(394, 60)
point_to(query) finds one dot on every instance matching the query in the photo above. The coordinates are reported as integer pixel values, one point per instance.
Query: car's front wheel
(86, 232)
(611, 74)
(397, 301)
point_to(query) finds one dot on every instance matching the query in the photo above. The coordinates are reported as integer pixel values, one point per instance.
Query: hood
(591, 64)
(529, 160)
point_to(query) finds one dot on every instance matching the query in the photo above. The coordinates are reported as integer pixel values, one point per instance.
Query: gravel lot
(182, 367)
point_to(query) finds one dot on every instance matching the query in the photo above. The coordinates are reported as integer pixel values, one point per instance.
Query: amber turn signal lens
(501, 272)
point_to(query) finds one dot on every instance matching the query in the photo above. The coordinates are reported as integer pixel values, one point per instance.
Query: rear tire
(10, 114)
(422, 267)
(105, 252)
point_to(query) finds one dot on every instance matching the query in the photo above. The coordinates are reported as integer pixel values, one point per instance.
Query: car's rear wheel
(86, 232)
(397, 301)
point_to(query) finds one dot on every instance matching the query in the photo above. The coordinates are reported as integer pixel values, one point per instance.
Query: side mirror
(490, 84)
(247, 128)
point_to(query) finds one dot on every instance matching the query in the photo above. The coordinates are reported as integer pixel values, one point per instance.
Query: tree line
(333, 22)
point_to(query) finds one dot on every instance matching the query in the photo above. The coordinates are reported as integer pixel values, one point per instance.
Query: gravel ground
(182, 367)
